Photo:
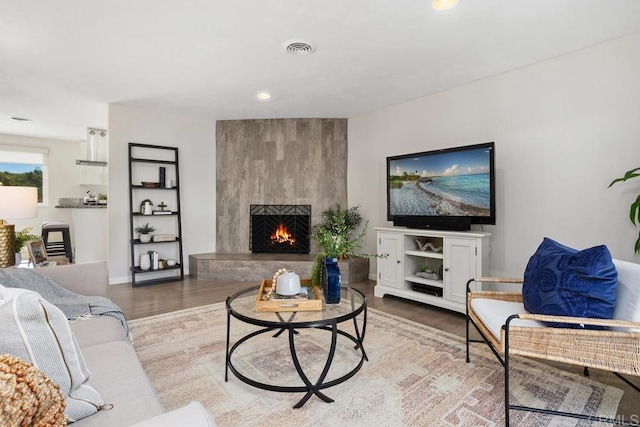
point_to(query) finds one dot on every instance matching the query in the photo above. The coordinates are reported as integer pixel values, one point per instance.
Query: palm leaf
(628, 175)
(635, 211)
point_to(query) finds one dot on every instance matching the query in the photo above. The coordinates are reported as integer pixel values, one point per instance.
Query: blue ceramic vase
(333, 281)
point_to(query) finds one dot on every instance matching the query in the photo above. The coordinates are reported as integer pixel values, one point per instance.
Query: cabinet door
(460, 265)
(390, 268)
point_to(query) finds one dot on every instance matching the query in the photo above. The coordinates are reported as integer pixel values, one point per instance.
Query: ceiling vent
(299, 47)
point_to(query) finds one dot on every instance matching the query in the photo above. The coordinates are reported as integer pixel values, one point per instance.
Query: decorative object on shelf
(634, 213)
(102, 199)
(145, 262)
(427, 246)
(333, 281)
(171, 262)
(150, 184)
(91, 198)
(162, 211)
(287, 282)
(162, 177)
(144, 231)
(164, 237)
(22, 237)
(427, 273)
(145, 207)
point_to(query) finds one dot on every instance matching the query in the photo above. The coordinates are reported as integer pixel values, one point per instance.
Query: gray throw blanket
(74, 306)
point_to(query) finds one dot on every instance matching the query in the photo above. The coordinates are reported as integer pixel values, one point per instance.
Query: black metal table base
(310, 387)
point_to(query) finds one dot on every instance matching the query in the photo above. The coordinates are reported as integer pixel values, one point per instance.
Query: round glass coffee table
(336, 319)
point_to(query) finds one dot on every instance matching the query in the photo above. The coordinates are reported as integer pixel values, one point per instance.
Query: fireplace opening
(280, 228)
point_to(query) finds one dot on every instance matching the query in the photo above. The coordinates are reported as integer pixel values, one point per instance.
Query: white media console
(450, 259)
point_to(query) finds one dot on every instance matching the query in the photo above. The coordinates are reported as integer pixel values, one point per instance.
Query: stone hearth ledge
(247, 267)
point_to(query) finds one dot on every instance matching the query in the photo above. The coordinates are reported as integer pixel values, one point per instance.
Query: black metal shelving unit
(149, 155)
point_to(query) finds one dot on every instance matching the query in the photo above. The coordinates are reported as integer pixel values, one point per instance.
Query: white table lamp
(15, 203)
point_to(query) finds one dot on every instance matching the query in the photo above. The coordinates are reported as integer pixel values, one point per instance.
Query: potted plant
(102, 199)
(634, 213)
(339, 236)
(144, 231)
(22, 237)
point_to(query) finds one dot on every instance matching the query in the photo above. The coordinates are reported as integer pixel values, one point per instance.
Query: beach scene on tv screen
(444, 184)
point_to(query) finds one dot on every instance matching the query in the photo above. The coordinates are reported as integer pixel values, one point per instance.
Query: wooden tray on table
(313, 303)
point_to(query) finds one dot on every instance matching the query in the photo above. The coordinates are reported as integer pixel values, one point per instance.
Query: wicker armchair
(509, 329)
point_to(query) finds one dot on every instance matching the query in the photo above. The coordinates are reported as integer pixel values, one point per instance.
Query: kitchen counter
(77, 203)
(82, 207)
(88, 230)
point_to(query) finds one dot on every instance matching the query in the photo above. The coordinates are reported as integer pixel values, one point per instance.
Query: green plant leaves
(634, 212)
(335, 233)
(22, 237)
(628, 175)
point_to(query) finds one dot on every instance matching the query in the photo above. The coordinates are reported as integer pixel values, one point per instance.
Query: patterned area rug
(415, 376)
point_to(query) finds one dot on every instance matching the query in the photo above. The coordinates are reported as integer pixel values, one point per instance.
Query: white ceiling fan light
(444, 4)
(299, 47)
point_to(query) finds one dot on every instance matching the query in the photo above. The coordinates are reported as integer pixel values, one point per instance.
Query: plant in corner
(339, 236)
(634, 213)
(22, 237)
(144, 231)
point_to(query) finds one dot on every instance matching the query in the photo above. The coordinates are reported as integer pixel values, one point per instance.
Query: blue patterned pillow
(563, 281)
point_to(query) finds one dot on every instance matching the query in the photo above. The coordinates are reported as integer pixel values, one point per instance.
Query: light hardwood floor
(164, 298)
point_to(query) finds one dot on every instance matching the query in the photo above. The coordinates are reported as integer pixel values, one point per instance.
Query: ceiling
(62, 63)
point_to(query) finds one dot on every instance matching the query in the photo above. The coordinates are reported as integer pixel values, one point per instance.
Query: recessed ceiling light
(444, 4)
(263, 96)
(299, 47)
(19, 119)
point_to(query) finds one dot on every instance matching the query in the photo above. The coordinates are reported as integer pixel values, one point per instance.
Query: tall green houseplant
(634, 212)
(339, 235)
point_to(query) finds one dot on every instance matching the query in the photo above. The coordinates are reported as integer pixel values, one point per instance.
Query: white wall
(563, 129)
(195, 138)
(64, 178)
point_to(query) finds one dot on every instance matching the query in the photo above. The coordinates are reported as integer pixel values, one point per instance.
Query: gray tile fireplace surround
(246, 267)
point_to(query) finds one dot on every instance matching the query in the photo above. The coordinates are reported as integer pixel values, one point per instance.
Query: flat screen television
(447, 189)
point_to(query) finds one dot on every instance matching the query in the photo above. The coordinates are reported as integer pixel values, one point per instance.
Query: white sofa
(115, 369)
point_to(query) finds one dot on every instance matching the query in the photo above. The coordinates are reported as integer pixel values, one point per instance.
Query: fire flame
(282, 235)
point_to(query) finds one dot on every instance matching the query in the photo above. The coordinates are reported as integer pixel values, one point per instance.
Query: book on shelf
(159, 212)
(164, 237)
(162, 177)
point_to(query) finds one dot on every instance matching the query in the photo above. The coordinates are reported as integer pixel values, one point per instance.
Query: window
(25, 167)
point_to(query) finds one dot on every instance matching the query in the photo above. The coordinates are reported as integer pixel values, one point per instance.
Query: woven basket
(27, 396)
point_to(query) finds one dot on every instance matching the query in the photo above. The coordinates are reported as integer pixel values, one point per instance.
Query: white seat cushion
(628, 291)
(494, 313)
